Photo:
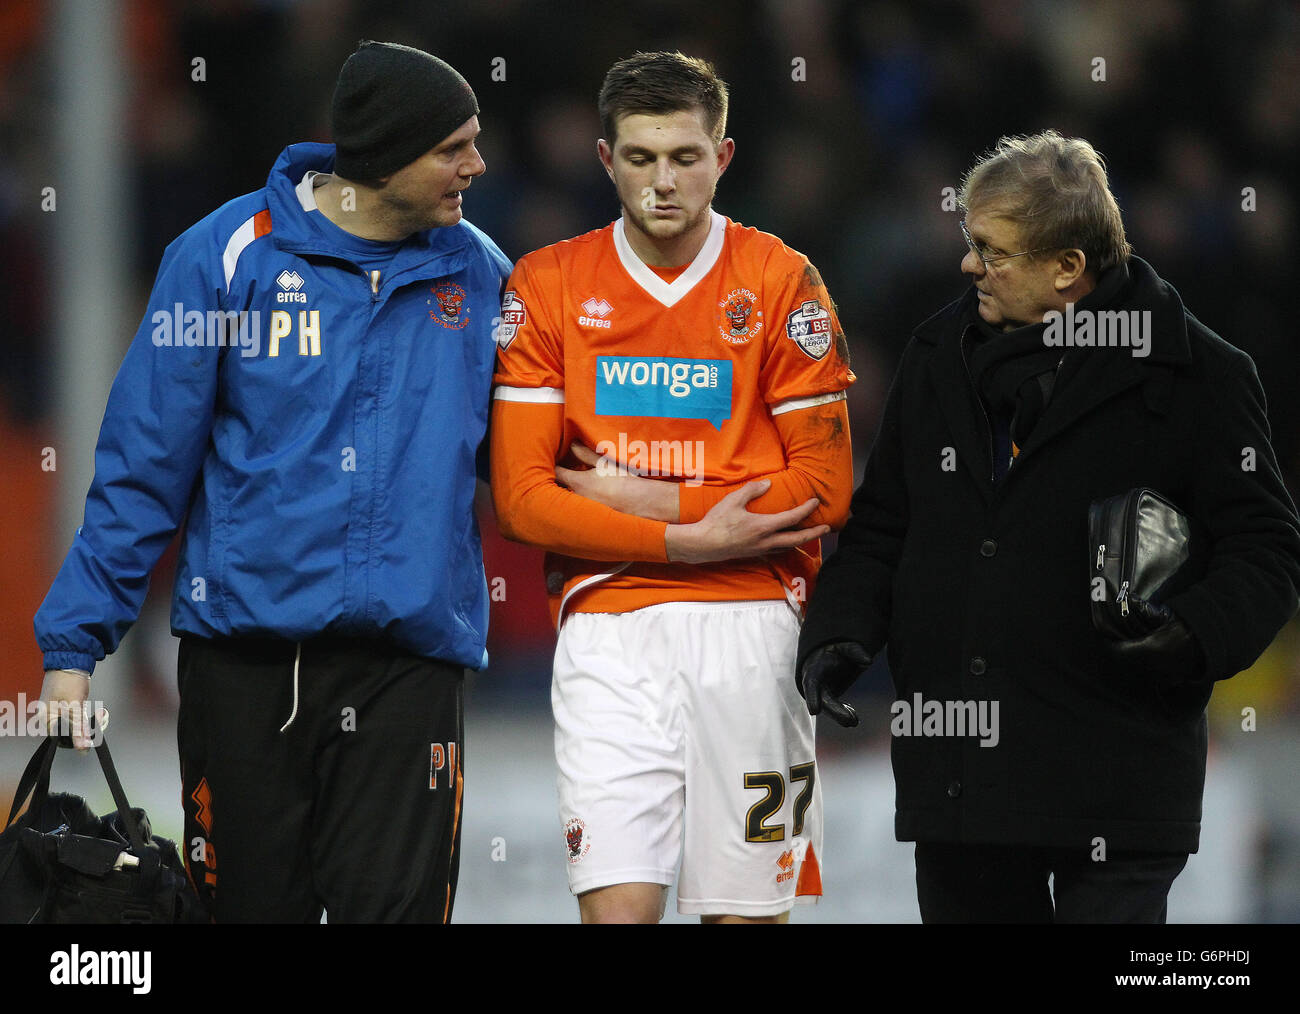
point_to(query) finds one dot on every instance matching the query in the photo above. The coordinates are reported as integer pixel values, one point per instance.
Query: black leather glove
(1169, 651)
(827, 673)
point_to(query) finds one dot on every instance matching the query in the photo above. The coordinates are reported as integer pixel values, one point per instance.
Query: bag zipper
(1126, 561)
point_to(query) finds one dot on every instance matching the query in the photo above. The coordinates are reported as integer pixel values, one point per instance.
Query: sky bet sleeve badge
(513, 316)
(809, 327)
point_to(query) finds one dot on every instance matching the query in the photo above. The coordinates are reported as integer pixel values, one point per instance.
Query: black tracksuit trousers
(336, 787)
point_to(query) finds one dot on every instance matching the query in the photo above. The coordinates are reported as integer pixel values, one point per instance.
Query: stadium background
(99, 101)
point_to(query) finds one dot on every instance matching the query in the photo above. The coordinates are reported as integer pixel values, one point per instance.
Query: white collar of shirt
(669, 293)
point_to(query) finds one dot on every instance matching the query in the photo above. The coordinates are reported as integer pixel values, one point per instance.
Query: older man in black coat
(967, 553)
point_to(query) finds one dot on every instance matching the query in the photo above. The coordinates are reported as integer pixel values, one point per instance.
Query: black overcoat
(981, 590)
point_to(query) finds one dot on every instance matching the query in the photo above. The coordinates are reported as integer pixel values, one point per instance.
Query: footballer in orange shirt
(669, 423)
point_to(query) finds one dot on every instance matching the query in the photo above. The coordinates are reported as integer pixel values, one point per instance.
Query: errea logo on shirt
(664, 387)
(596, 310)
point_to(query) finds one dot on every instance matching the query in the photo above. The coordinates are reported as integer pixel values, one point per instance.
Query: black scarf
(1015, 373)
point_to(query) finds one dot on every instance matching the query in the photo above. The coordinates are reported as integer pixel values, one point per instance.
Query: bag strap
(36, 776)
(119, 797)
(35, 779)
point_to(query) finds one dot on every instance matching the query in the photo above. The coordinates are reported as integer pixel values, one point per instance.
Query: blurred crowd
(850, 118)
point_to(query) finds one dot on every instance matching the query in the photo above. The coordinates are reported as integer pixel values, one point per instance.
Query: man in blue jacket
(307, 396)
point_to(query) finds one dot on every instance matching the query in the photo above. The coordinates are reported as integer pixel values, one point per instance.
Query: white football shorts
(680, 734)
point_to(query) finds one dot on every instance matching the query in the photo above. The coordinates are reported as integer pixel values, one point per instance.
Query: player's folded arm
(819, 463)
(533, 508)
(804, 377)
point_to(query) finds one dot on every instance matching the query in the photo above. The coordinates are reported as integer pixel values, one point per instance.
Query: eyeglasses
(985, 259)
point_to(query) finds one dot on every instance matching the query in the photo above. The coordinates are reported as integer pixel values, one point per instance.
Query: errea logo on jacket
(291, 282)
(282, 320)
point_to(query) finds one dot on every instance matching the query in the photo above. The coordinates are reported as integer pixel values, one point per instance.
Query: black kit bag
(1140, 544)
(59, 863)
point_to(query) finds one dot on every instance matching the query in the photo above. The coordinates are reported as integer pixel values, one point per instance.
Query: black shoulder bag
(1139, 543)
(59, 863)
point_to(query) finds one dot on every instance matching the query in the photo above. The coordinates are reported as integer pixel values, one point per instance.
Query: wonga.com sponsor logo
(664, 387)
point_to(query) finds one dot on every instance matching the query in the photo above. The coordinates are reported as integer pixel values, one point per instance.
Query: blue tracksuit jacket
(314, 430)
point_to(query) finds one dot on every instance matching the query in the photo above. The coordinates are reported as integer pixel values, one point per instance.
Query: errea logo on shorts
(596, 310)
(664, 387)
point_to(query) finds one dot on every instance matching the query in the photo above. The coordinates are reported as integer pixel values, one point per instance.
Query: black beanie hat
(391, 105)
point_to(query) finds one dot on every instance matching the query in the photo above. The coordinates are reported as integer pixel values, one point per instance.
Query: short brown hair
(658, 83)
(1057, 190)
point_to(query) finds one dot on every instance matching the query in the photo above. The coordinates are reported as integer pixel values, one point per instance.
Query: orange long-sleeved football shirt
(734, 370)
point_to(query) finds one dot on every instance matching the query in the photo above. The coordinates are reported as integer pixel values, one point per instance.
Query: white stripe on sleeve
(794, 404)
(230, 256)
(537, 395)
